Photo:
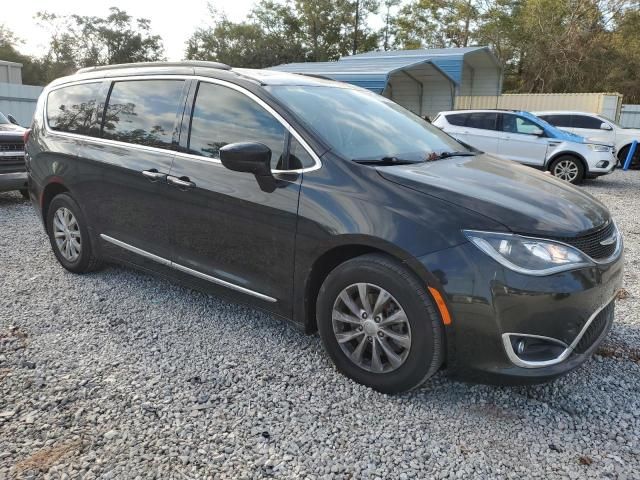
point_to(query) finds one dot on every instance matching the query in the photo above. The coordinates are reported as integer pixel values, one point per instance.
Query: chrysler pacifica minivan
(332, 207)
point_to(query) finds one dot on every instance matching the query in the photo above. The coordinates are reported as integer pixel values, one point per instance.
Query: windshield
(3, 119)
(361, 125)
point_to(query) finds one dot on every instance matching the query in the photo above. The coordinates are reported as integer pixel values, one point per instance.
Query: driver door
(226, 231)
(519, 140)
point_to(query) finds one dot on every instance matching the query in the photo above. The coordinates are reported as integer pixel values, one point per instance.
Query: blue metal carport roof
(370, 74)
(371, 70)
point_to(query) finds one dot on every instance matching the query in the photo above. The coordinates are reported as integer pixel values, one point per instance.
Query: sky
(174, 21)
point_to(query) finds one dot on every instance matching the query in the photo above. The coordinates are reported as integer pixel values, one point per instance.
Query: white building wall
(436, 90)
(19, 101)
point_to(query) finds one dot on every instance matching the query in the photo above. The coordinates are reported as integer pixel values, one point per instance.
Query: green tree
(79, 41)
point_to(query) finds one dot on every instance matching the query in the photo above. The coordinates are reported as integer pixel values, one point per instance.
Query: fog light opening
(535, 349)
(602, 164)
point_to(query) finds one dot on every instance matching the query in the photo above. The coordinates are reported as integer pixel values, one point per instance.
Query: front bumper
(13, 181)
(487, 302)
(601, 163)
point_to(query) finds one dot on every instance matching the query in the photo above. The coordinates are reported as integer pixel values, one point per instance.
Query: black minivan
(330, 206)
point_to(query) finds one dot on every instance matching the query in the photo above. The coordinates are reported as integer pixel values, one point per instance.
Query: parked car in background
(523, 137)
(13, 174)
(597, 128)
(330, 206)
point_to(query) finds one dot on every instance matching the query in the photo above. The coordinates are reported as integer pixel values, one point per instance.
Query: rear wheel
(69, 235)
(379, 325)
(622, 157)
(568, 168)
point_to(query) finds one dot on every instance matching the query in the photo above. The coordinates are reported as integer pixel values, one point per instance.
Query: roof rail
(184, 63)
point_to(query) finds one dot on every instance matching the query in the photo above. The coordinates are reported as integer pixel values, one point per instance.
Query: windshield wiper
(385, 161)
(443, 155)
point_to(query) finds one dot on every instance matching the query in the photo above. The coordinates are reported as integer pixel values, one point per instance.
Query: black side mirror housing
(250, 157)
(12, 119)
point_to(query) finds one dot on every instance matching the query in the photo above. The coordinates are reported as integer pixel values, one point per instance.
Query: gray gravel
(118, 374)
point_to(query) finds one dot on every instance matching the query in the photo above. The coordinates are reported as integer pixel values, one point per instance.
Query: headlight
(530, 256)
(596, 147)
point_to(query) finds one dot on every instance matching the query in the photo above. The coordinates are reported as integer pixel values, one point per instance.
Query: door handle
(183, 182)
(154, 175)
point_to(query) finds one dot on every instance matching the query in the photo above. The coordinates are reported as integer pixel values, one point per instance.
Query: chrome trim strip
(233, 86)
(182, 268)
(12, 153)
(139, 251)
(560, 358)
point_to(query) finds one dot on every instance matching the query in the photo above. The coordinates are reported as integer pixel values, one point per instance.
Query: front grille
(596, 328)
(12, 163)
(590, 244)
(11, 147)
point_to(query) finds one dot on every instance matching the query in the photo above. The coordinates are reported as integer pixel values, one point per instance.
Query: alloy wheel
(371, 328)
(66, 232)
(566, 170)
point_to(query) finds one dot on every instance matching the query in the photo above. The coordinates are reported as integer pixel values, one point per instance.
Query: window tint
(142, 112)
(558, 120)
(298, 156)
(483, 120)
(222, 115)
(515, 124)
(70, 109)
(583, 121)
(457, 119)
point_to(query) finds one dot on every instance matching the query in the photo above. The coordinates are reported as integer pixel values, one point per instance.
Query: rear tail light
(25, 135)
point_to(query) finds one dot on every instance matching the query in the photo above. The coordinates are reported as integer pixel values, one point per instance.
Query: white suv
(525, 138)
(596, 127)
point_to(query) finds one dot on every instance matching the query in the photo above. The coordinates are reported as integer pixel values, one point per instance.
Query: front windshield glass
(3, 119)
(360, 125)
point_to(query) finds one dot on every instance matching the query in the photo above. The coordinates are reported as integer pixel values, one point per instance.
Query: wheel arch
(568, 153)
(49, 192)
(336, 255)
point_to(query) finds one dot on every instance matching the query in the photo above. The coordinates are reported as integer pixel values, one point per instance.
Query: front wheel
(69, 235)
(568, 168)
(624, 152)
(378, 324)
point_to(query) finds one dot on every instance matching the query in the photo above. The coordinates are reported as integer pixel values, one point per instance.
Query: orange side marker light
(444, 311)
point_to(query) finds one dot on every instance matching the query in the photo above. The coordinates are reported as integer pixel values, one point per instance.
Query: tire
(65, 221)
(568, 168)
(421, 355)
(622, 156)
(25, 194)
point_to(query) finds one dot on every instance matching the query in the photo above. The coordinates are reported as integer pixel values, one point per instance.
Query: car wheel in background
(622, 157)
(69, 235)
(568, 168)
(379, 325)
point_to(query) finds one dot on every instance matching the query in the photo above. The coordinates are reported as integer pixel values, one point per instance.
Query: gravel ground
(118, 374)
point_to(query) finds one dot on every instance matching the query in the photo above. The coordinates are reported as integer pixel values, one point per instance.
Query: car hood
(7, 128)
(520, 198)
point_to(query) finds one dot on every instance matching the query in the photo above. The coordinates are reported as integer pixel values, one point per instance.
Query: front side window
(583, 121)
(483, 120)
(298, 156)
(222, 115)
(361, 125)
(70, 109)
(142, 112)
(515, 124)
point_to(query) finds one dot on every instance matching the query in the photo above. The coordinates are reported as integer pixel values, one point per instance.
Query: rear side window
(558, 120)
(142, 112)
(70, 109)
(483, 120)
(583, 121)
(222, 115)
(457, 119)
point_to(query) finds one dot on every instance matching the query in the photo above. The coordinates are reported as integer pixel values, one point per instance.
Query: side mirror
(605, 126)
(538, 132)
(12, 119)
(250, 157)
